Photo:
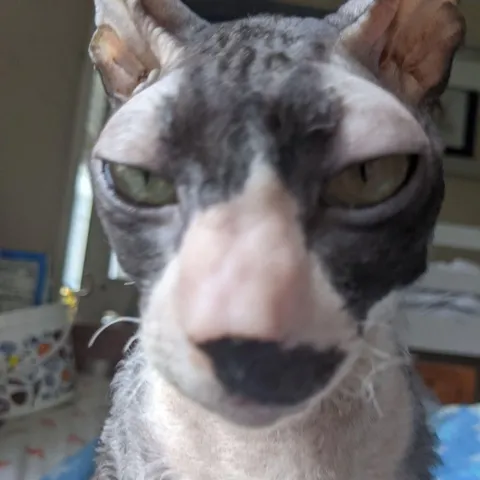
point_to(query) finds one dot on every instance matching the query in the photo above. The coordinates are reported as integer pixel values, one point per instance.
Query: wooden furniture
(446, 341)
(108, 346)
(451, 380)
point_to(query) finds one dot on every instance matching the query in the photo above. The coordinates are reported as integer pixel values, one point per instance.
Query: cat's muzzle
(267, 374)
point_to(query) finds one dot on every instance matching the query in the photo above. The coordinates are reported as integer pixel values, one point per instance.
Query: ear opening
(137, 37)
(408, 44)
(121, 69)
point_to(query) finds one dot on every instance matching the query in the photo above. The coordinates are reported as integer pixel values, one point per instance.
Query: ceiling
(219, 11)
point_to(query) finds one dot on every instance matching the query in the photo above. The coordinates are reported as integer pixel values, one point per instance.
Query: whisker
(109, 324)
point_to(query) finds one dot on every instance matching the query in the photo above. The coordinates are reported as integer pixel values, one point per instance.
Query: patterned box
(36, 360)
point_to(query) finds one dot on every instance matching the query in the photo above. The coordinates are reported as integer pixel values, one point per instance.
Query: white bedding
(32, 446)
(439, 289)
(443, 310)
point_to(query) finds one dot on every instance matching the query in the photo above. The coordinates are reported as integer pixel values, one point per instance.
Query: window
(83, 196)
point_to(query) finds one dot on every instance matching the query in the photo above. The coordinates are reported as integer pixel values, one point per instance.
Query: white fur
(360, 431)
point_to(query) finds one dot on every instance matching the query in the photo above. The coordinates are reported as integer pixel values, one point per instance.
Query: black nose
(268, 374)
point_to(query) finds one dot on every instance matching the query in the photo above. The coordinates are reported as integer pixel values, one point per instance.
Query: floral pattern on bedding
(36, 371)
(77, 467)
(42, 445)
(458, 429)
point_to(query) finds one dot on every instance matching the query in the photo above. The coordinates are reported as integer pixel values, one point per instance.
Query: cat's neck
(347, 431)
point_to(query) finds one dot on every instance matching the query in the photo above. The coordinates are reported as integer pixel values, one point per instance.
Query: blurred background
(51, 109)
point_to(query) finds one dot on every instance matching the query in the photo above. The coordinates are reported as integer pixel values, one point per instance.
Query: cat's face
(268, 187)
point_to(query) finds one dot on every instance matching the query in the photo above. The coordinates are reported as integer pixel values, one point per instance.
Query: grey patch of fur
(127, 449)
(421, 457)
(254, 85)
(130, 450)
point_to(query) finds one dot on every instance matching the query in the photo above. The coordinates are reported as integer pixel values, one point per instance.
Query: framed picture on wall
(23, 279)
(458, 122)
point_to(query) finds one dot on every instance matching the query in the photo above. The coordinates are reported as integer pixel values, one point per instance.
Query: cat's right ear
(137, 37)
(408, 44)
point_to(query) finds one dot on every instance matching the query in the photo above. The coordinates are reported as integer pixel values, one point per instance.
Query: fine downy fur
(372, 423)
(268, 343)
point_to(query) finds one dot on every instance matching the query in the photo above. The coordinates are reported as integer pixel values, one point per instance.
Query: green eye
(369, 183)
(140, 186)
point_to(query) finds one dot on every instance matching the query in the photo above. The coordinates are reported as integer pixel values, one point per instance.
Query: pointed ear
(408, 44)
(135, 38)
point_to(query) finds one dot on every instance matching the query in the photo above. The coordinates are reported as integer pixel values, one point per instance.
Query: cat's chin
(200, 390)
(235, 410)
(245, 413)
(250, 414)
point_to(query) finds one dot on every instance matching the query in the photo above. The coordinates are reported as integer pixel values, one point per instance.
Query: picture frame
(458, 122)
(462, 154)
(23, 279)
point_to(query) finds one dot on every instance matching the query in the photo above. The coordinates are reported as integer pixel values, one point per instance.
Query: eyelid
(409, 165)
(339, 167)
(361, 140)
(106, 164)
(132, 133)
(375, 123)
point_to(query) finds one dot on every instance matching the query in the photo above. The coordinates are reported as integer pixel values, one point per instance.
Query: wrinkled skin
(268, 342)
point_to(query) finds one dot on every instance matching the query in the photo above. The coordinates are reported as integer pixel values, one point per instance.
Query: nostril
(269, 374)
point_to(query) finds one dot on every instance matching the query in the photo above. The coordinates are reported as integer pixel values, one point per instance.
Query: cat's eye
(370, 183)
(139, 186)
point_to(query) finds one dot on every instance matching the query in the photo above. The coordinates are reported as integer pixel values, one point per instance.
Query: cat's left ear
(408, 44)
(137, 37)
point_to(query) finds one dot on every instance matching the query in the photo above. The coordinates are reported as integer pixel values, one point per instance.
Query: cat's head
(267, 183)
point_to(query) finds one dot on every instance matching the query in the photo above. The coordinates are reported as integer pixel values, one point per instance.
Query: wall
(461, 206)
(42, 53)
(463, 184)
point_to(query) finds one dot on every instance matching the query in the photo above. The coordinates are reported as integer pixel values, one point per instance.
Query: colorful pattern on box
(37, 369)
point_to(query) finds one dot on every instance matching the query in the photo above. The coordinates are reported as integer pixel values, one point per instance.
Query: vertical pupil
(146, 176)
(363, 173)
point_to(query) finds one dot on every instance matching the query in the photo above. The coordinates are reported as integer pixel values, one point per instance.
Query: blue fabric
(458, 429)
(77, 467)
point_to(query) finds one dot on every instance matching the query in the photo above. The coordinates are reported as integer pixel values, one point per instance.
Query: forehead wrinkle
(241, 49)
(375, 122)
(132, 135)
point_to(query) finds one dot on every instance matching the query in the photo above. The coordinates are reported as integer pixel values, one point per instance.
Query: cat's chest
(335, 455)
(278, 470)
(181, 450)
(219, 458)
(355, 444)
